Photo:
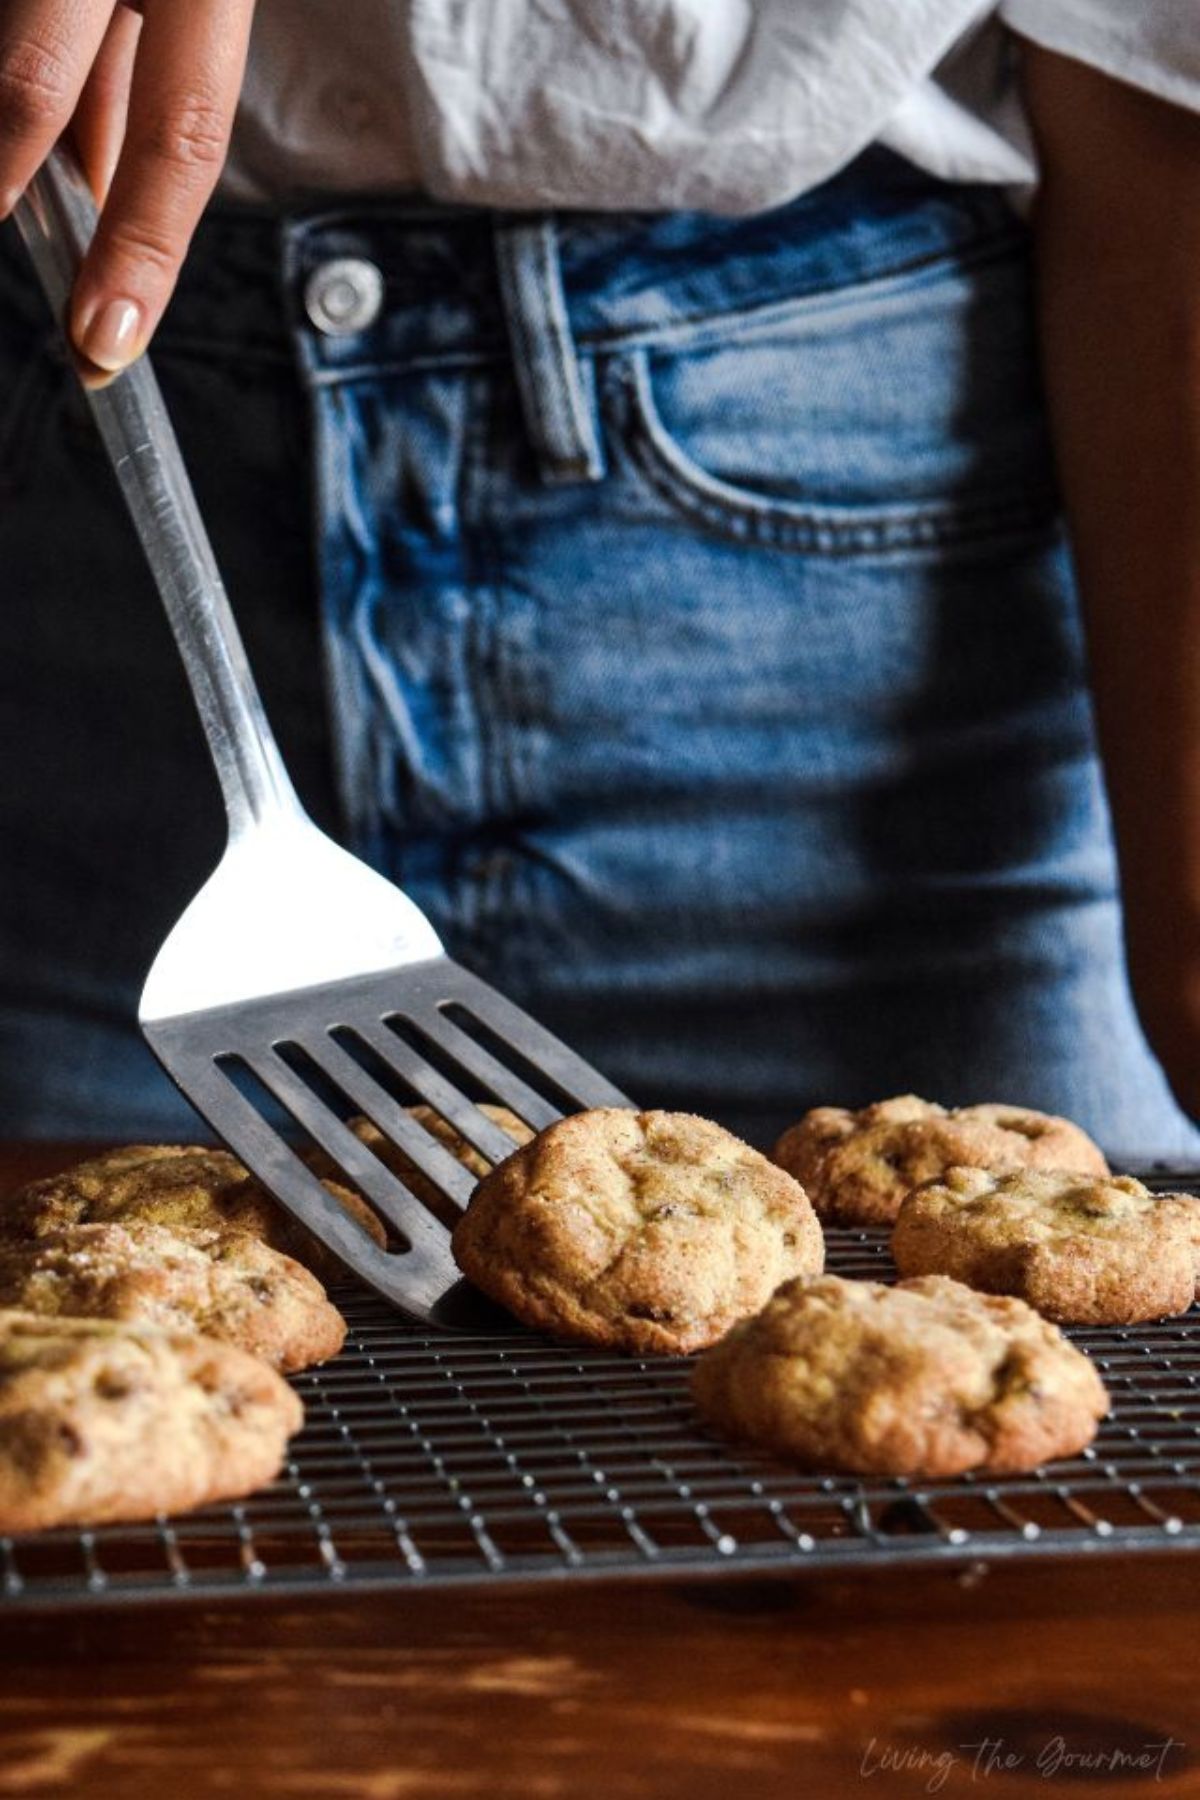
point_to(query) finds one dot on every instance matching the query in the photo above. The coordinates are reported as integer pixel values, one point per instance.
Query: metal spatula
(297, 972)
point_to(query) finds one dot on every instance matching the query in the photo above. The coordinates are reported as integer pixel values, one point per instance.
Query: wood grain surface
(1058, 1678)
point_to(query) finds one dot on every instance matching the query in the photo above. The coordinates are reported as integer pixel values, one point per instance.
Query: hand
(149, 95)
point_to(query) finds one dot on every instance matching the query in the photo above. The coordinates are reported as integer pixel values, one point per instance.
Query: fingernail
(110, 337)
(8, 201)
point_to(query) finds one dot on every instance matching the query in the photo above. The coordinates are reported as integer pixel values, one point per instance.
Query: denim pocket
(899, 416)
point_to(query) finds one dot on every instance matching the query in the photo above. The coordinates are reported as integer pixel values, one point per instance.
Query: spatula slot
(273, 1116)
(539, 1076)
(228, 1087)
(558, 1069)
(324, 1089)
(327, 1061)
(439, 1040)
(266, 1081)
(375, 1073)
(391, 1052)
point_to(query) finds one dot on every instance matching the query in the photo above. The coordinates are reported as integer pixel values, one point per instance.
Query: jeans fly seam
(482, 443)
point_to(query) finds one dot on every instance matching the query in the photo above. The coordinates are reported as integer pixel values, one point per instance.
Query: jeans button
(343, 296)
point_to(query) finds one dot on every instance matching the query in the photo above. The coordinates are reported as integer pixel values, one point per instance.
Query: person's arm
(150, 100)
(1117, 231)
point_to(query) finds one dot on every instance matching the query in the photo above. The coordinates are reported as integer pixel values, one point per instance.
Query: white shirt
(721, 105)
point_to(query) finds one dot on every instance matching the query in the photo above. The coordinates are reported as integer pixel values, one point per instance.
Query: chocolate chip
(113, 1387)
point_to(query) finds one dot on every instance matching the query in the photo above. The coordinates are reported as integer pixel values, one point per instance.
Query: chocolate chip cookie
(225, 1284)
(923, 1379)
(102, 1421)
(647, 1231)
(175, 1185)
(857, 1166)
(1083, 1250)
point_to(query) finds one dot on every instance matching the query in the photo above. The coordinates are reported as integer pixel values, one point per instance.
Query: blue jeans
(677, 607)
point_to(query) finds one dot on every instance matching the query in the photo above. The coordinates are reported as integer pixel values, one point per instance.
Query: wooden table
(1020, 1679)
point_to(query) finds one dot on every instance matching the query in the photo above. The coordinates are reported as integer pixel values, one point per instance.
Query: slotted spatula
(295, 963)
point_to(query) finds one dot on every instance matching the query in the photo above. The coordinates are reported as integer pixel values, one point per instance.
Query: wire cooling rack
(430, 1460)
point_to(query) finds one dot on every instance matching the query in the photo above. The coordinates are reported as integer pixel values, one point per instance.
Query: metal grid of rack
(470, 1458)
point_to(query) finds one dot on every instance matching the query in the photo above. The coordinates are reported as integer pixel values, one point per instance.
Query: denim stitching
(795, 526)
(687, 329)
(543, 353)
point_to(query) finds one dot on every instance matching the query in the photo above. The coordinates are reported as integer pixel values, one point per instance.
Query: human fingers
(47, 48)
(186, 79)
(98, 127)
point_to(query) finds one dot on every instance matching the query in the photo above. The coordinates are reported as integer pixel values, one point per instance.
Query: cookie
(1083, 1250)
(101, 1421)
(178, 1186)
(926, 1379)
(647, 1231)
(225, 1284)
(857, 1166)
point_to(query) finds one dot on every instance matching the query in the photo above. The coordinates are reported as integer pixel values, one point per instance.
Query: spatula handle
(56, 219)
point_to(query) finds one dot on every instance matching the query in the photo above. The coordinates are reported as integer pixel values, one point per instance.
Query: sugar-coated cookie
(856, 1167)
(1086, 1250)
(649, 1231)
(101, 1421)
(923, 1379)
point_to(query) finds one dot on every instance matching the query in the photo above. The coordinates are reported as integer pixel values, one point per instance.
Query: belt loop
(556, 407)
